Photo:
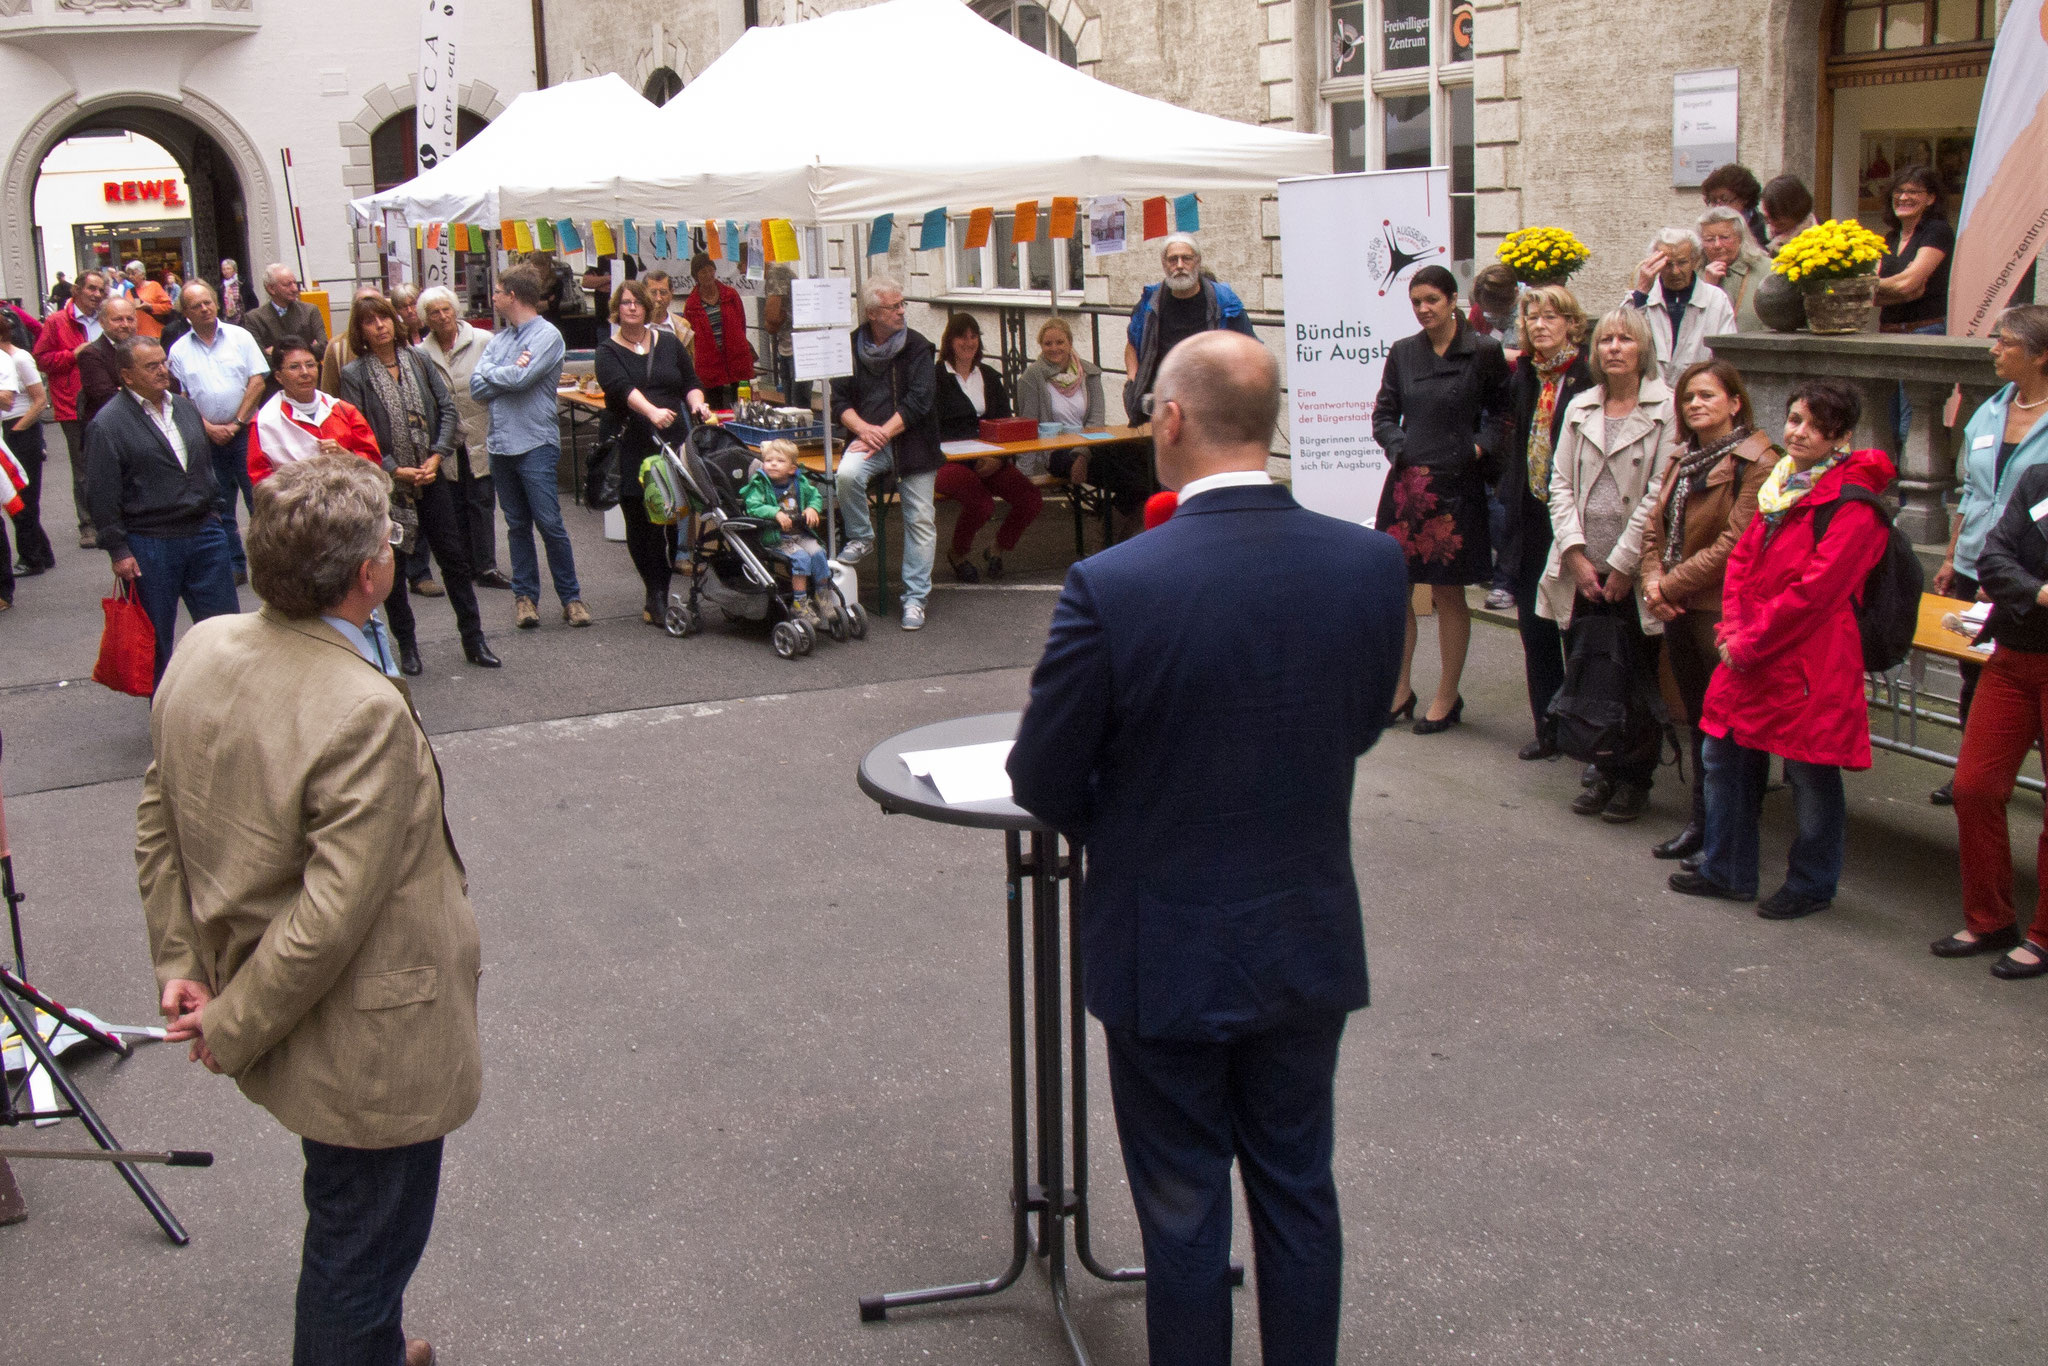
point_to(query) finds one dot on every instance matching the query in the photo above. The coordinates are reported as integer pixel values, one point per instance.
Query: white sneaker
(854, 551)
(1500, 600)
(913, 616)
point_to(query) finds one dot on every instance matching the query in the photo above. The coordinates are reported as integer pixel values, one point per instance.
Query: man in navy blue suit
(1196, 721)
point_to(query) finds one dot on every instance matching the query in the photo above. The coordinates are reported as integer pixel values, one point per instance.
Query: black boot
(1683, 844)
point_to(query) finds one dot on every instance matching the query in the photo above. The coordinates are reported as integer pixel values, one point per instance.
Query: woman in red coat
(1792, 677)
(299, 421)
(724, 356)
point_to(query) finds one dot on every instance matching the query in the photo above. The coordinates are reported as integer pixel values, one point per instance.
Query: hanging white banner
(1348, 245)
(435, 114)
(2004, 222)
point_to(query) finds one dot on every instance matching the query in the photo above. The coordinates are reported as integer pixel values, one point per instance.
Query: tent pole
(831, 475)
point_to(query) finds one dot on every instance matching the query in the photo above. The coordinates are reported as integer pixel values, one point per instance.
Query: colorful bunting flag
(566, 233)
(978, 223)
(1026, 228)
(1063, 214)
(419, 237)
(1187, 215)
(714, 247)
(433, 237)
(522, 235)
(508, 236)
(601, 239)
(881, 233)
(660, 241)
(632, 238)
(544, 234)
(781, 240)
(1155, 217)
(734, 240)
(933, 236)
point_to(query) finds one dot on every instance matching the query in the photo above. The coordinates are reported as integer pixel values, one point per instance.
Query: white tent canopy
(815, 122)
(578, 126)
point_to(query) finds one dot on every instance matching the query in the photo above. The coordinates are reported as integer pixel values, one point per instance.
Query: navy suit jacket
(1196, 721)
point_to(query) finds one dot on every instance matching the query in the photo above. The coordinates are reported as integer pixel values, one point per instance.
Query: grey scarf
(879, 356)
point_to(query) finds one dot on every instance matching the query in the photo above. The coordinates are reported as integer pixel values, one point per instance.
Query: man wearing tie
(1196, 721)
(308, 914)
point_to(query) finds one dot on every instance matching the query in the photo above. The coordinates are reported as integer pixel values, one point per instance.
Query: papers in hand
(967, 773)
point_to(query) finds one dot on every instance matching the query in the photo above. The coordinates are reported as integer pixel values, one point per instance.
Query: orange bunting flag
(1155, 217)
(434, 236)
(1063, 212)
(458, 237)
(712, 246)
(978, 223)
(1026, 229)
(507, 237)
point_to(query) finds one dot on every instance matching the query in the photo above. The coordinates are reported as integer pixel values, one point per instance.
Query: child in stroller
(779, 494)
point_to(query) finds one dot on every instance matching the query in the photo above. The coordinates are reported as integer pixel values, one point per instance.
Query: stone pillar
(1930, 368)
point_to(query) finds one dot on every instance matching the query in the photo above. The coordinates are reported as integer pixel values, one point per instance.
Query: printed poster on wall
(1349, 244)
(1703, 113)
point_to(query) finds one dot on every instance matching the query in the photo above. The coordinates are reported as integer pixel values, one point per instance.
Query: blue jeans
(194, 569)
(231, 472)
(528, 493)
(1736, 776)
(806, 559)
(368, 1214)
(920, 520)
(1497, 528)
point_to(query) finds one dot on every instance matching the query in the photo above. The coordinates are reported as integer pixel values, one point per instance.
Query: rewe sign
(136, 191)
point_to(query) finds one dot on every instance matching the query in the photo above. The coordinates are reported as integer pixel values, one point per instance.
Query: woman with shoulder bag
(648, 384)
(1706, 500)
(1617, 441)
(400, 394)
(1442, 418)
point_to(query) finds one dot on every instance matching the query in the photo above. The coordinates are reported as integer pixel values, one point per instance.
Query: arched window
(663, 85)
(394, 147)
(1030, 24)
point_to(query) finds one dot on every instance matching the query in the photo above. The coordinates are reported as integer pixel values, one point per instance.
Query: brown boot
(575, 613)
(525, 615)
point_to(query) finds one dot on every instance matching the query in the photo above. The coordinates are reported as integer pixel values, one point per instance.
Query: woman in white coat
(1617, 439)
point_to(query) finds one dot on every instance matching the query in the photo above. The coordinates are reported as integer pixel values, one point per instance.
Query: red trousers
(2006, 718)
(977, 499)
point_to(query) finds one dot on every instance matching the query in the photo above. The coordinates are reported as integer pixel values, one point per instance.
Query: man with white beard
(1184, 303)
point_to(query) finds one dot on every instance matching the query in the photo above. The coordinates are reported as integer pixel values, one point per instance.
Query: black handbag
(1605, 712)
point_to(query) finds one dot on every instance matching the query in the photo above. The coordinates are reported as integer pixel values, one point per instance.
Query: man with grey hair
(1184, 303)
(1681, 315)
(232, 303)
(888, 406)
(221, 369)
(1206, 758)
(285, 314)
(308, 922)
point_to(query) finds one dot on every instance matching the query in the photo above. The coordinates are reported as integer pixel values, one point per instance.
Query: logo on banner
(1396, 250)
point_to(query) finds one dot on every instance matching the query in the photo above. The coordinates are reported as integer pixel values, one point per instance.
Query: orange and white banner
(2004, 223)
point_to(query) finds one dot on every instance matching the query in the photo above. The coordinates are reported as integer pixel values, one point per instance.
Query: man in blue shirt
(518, 377)
(221, 369)
(1184, 303)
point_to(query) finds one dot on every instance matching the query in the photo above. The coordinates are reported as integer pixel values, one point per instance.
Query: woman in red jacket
(724, 356)
(299, 421)
(1792, 677)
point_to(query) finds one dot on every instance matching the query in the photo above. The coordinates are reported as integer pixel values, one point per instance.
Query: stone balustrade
(1774, 363)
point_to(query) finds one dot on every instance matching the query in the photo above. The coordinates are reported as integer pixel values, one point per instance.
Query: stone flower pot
(1840, 306)
(1780, 304)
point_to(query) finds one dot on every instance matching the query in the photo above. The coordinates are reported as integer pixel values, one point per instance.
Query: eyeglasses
(397, 536)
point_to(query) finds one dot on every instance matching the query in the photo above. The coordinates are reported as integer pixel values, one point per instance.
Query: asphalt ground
(744, 1040)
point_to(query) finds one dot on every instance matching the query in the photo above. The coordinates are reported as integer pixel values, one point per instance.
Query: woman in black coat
(969, 389)
(401, 395)
(1442, 418)
(1552, 372)
(649, 383)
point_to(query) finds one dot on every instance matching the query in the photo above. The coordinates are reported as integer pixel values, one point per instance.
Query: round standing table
(1032, 854)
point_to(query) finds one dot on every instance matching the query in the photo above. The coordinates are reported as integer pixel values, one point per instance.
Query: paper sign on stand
(822, 353)
(820, 303)
(1350, 244)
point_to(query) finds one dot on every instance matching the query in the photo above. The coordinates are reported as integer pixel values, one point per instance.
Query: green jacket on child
(760, 499)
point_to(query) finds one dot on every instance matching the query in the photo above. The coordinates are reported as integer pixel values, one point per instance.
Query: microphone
(1159, 507)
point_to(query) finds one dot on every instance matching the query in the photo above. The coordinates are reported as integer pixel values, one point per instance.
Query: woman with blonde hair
(1616, 441)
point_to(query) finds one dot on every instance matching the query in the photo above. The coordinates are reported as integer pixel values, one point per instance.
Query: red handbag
(127, 661)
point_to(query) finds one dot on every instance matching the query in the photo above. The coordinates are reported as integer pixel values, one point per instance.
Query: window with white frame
(1397, 93)
(1031, 24)
(1006, 266)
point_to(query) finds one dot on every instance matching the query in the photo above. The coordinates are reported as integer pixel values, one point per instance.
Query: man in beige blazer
(307, 911)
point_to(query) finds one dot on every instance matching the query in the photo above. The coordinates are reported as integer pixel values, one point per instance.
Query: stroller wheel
(835, 624)
(788, 639)
(680, 621)
(810, 632)
(856, 621)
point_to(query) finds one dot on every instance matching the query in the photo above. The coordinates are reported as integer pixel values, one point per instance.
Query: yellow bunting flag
(1026, 229)
(522, 235)
(978, 223)
(784, 239)
(601, 239)
(1062, 224)
(713, 247)
(419, 237)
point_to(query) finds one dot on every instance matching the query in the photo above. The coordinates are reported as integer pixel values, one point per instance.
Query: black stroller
(729, 567)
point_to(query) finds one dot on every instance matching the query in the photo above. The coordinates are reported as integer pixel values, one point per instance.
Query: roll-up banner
(1348, 245)
(2004, 223)
(435, 113)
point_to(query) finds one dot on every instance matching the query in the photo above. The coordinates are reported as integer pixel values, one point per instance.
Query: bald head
(117, 319)
(1214, 406)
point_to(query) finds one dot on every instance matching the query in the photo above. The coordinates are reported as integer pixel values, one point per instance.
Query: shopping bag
(127, 660)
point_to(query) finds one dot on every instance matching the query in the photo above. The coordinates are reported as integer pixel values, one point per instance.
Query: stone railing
(1774, 363)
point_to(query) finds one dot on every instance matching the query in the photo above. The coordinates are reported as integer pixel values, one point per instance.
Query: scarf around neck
(1788, 484)
(1068, 381)
(1692, 467)
(1551, 373)
(878, 356)
(291, 431)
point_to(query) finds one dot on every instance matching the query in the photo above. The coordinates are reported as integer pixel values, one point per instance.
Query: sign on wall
(435, 114)
(1349, 245)
(1703, 108)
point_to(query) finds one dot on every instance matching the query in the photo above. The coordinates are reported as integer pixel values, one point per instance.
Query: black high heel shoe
(1428, 727)
(1402, 712)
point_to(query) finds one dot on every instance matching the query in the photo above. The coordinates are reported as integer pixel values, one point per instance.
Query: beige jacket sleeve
(166, 903)
(354, 841)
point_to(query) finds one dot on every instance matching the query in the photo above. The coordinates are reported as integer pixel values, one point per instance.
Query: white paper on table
(820, 303)
(1977, 613)
(969, 447)
(823, 353)
(966, 773)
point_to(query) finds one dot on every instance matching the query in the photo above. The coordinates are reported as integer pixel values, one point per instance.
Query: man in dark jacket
(1206, 761)
(888, 407)
(1184, 303)
(149, 468)
(99, 367)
